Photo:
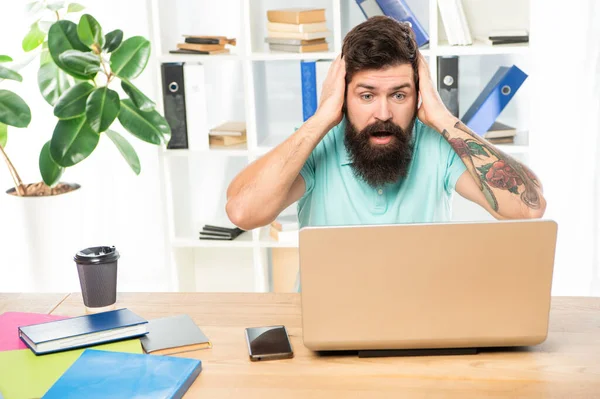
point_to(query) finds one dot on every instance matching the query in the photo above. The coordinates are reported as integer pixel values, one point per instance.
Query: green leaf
(514, 190)
(50, 170)
(89, 31)
(126, 150)
(6, 73)
(477, 149)
(53, 82)
(102, 108)
(75, 7)
(138, 98)
(13, 110)
(80, 64)
(5, 58)
(55, 5)
(34, 38)
(72, 103)
(73, 140)
(62, 37)
(3, 135)
(485, 168)
(45, 57)
(130, 59)
(113, 40)
(34, 7)
(147, 126)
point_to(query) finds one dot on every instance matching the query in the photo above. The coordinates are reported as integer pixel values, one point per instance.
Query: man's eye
(399, 96)
(366, 97)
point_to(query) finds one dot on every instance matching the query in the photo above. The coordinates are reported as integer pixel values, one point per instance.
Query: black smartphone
(268, 343)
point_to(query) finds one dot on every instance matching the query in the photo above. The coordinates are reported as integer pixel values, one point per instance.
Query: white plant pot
(45, 234)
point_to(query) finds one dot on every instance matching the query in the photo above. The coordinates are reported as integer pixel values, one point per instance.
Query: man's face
(381, 109)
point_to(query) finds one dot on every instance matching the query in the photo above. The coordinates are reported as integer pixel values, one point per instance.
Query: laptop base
(417, 352)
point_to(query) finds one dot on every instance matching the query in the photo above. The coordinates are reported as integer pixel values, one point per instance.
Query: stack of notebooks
(285, 228)
(211, 232)
(204, 45)
(228, 134)
(500, 133)
(98, 355)
(499, 37)
(455, 22)
(297, 30)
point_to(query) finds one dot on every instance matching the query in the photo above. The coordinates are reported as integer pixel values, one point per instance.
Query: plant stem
(13, 172)
(57, 16)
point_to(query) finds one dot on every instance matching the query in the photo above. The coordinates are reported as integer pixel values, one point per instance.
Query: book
(101, 374)
(506, 34)
(182, 51)
(500, 130)
(299, 49)
(296, 15)
(501, 88)
(196, 113)
(232, 128)
(211, 232)
(220, 141)
(313, 27)
(10, 323)
(496, 42)
(25, 375)
(447, 82)
(455, 22)
(299, 35)
(400, 11)
(312, 76)
(502, 140)
(174, 334)
(77, 332)
(294, 42)
(221, 40)
(199, 47)
(369, 8)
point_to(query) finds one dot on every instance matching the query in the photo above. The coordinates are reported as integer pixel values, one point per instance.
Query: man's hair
(377, 43)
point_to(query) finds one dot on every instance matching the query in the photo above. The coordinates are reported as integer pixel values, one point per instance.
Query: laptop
(426, 286)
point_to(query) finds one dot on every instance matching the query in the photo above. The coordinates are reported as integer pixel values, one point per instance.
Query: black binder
(447, 82)
(174, 103)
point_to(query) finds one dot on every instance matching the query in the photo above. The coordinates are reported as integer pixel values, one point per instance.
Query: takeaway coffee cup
(97, 268)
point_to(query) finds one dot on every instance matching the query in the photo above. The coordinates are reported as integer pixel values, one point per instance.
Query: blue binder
(308, 75)
(493, 99)
(397, 9)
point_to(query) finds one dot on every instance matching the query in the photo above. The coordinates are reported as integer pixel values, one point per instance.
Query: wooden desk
(567, 365)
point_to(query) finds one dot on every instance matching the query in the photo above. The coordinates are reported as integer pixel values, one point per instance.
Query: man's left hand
(432, 111)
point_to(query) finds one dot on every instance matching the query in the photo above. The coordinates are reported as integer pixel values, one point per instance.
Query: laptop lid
(448, 285)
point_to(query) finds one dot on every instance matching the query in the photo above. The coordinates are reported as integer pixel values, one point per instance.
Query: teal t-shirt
(334, 196)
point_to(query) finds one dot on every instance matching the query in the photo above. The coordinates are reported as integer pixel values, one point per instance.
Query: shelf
(233, 151)
(266, 241)
(480, 48)
(282, 55)
(243, 241)
(198, 57)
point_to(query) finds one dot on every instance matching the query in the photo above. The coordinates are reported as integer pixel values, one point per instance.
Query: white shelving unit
(263, 88)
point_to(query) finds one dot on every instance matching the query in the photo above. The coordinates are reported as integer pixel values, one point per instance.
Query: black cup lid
(94, 255)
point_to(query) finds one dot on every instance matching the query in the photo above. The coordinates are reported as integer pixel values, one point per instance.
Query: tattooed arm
(503, 186)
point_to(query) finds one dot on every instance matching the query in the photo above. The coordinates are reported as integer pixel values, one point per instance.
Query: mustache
(387, 128)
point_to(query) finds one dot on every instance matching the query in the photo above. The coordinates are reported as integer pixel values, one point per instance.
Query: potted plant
(86, 109)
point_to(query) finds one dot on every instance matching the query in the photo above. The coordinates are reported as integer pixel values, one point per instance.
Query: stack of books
(498, 37)
(204, 45)
(211, 232)
(227, 134)
(500, 133)
(285, 228)
(297, 30)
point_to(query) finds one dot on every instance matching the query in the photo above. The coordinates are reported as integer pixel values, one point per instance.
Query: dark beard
(379, 164)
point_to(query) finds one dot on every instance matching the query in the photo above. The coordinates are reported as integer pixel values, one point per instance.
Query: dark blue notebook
(77, 332)
(101, 374)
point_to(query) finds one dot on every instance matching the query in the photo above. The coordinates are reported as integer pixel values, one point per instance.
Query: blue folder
(397, 9)
(117, 375)
(493, 99)
(308, 76)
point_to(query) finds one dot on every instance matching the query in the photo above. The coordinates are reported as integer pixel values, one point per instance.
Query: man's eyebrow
(395, 88)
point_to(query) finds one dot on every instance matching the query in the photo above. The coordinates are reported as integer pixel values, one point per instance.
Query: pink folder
(10, 323)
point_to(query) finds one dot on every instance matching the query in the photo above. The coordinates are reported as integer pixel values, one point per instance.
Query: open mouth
(381, 137)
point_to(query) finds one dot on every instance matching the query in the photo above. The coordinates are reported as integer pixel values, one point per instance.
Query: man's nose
(383, 112)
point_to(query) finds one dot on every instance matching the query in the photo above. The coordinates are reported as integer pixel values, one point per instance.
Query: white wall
(120, 208)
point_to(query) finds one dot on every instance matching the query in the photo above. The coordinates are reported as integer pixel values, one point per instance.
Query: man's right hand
(332, 94)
